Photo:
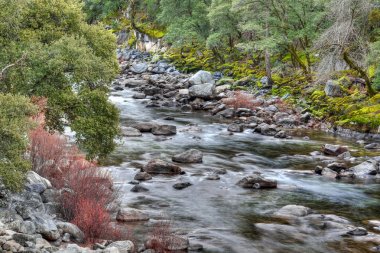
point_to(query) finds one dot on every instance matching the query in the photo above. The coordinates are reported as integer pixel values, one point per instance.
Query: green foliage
(15, 123)
(99, 9)
(63, 57)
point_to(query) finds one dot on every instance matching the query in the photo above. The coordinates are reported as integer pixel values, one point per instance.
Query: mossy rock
(225, 81)
(246, 81)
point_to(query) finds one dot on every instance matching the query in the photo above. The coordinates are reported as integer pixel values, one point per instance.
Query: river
(218, 214)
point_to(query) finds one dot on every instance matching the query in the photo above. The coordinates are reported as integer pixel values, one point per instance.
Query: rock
(318, 170)
(186, 108)
(33, 178)
(213, 177)
(195, 247)
(305, 117)
(201, 77)
(281, 135)
(372, 146)
(144, 127)
(265, 129)
(143, 176)
(75, 233)
(257, 182)
(139, 188)
(334, 150)
(139, 96)
(139, 68)
(37, 188)
(235, 128)
(367, 168)
(49, 195)
(182, 185)
(30, 203)
(123, 246)
(46, 227)
(12, 246)
(337, 167)
(293, 210)
(227, 113)
(151, 91)
(73, 248)
(359, 231)
(130, 132)
(164, 130)
(157, 166)
(329, 173)
(24, 227)
(333, 89)
(205, 91)
(131, 215)
(189, 156)
(345, 155)
(66, 237)
(23, 239)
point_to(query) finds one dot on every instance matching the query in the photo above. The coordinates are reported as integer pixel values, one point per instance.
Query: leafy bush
(15, 113)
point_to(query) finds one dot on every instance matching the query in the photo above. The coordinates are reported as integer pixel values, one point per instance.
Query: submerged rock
(139, 188)
(143, 176)
(257, 182)
(157, 166)
(144, 127)
(189, 156)
(235, 128)
(164, 130)
(182, 185)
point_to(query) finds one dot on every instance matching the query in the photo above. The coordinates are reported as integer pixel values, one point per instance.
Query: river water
(218, 214)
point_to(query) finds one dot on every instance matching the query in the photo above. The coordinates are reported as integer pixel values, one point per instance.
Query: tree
(186, 21)
(345, 43)
(15, 123)
(65, 60)
(223, 26)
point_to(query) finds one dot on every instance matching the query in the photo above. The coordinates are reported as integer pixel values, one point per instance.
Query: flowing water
(219, 214)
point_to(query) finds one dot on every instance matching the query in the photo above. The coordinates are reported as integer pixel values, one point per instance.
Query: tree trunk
(268, 68)
(361, 72)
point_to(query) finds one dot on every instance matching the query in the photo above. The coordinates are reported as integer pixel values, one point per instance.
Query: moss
(225, 80)
(152, 30)
(132, 39)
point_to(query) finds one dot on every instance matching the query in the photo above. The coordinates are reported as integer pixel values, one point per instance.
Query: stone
(213, 177)
(189, 156)
(139, 68)
(139, 188)
(345, 155)
(257, 182)
(227, 113)
(139, 96)
(201, 77)
(143, 176)
(337, 167)
(359, 231)
(130, 132)
(75, 233)
(123, 246)
(281, 135)
(305, 118)
(182, 185)
(206, 91)
(293, 210)
(367, 168)
(265, 129)
(372, 146)
(157, 166)
(144, 127)
(33, 178)
(333, 89)
(131, 215)
(329, 173)
(333, 150)
(235, 128)
(183, 92)
(164, 130)
(46, 226)
(49, 195)
(22, 239)
(37, 188)
(24, 227)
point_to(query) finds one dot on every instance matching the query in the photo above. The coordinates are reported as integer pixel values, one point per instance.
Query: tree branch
(18, 62)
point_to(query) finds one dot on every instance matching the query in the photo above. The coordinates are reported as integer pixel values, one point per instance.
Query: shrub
(162, 238)
(241, 100)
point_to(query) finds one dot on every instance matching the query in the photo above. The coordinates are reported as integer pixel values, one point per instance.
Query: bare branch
(16, 63)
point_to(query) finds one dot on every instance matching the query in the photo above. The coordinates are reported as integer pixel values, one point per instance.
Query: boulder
(333, 89)
(329, 173)
(182, 185)
(46, 227)
(139, 188)
(334, 150)
(143, 176)
(183, 92)
(144, 127)
(227, 113)
(189, 156)
(257, 182)
(265, 129)
(205, 91)
(293, 210)
(201, 77)
(123, 246)
(131, 215)
(363, 170)
(139, 68)
(157, 166)
(75, 233)
(33, 178)
(281, 135)
(130, 132)
(139, 96)
(372, 146)
(164, 130)
(235, 128)
(359, 231)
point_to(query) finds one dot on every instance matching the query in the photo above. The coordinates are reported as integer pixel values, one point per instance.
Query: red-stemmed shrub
(241, 100)
(162, 238)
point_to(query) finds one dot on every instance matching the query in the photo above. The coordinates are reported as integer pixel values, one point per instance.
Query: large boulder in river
(201, 77)
(334, 150)
(333, 89)
(144, 127)
(164, 130)
(157, 166)
(139, 68)
(257, 182)
(130, 132)
(206, 91)
(363, 170)
(189, 156)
